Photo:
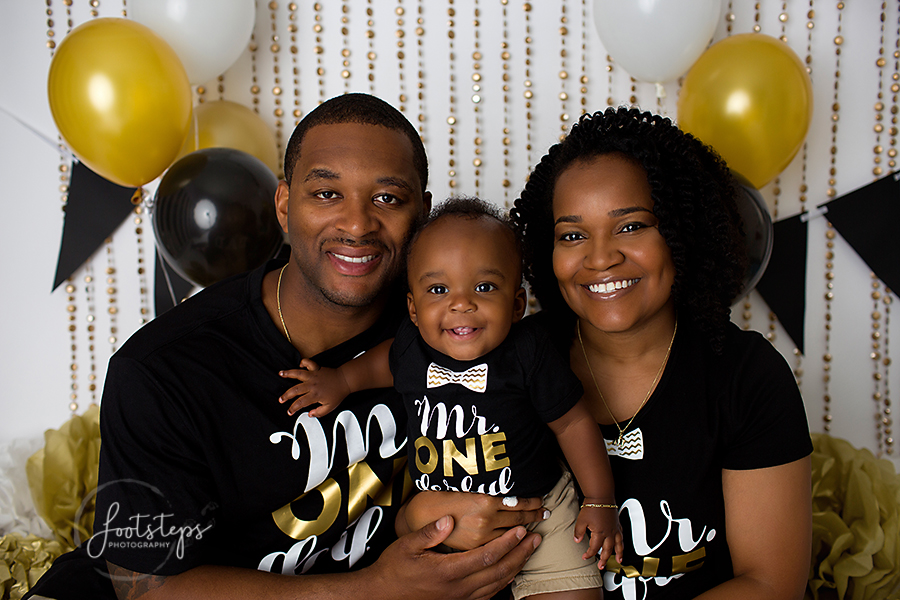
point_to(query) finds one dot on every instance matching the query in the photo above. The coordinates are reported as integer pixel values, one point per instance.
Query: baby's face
(465, 285)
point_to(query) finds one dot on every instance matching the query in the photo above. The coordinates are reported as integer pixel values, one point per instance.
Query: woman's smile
(613, 266)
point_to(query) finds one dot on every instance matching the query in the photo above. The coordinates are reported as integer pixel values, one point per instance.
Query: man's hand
(408, 568)
(478, 518)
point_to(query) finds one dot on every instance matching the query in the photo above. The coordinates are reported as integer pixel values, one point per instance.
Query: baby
(485, 392)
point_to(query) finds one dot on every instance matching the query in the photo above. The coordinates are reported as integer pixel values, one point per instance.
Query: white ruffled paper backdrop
(17, 511)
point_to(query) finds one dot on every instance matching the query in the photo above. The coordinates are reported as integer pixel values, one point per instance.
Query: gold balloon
(120, 98)
(749, 97)
(224, 124)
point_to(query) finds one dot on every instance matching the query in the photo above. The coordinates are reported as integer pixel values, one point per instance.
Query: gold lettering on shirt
(363, 483)
(651, 567)
(299, 529)
(468, 461)
(613, 566)
(429, 465)
(684, 563)
(492, 448)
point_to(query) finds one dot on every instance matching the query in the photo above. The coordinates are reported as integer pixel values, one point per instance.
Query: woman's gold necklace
(278, 303)
(622, 430)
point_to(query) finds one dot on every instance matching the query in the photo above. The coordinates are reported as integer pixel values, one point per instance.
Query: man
(208, 488)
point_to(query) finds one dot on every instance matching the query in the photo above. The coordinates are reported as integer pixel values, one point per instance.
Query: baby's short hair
(469, 207)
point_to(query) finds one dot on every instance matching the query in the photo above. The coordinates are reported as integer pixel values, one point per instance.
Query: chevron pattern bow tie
(474, 379)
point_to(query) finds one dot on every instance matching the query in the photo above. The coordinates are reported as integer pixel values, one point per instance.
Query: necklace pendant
(621, 439)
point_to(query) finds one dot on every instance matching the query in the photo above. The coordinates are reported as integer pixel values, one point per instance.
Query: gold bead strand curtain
(401, 50)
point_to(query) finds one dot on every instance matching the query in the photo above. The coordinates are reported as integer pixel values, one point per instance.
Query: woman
(633, 248)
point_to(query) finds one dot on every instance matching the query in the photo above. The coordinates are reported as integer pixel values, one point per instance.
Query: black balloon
(214, 215)
(758, 232)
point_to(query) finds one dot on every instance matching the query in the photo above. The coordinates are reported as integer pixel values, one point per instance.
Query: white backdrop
(36, 355)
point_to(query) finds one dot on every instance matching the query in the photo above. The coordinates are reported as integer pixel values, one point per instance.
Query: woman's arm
(768, 517)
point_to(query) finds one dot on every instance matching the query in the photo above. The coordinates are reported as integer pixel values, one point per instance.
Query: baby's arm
(328, 387)
(581, 442)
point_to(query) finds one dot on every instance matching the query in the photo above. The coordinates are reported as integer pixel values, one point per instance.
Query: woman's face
(613, 266)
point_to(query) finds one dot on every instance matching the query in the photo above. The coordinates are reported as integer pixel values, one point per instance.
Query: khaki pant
(556, 564)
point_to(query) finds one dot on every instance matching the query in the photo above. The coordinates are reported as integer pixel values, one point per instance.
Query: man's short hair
(362, 109)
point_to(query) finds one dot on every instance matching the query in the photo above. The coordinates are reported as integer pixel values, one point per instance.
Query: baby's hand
(606, 533)
(318, 385)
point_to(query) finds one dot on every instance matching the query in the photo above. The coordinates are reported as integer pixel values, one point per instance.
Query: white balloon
(207, 35)
(656, 40)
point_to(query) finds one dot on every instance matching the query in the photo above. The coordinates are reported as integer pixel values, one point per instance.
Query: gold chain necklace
(278, 302)
(649, 392)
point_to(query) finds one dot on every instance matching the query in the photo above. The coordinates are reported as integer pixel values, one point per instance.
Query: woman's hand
(478, 518)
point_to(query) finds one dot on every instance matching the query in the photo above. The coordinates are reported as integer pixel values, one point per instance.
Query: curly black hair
(362, 109)
(694, 197)
(469, 207)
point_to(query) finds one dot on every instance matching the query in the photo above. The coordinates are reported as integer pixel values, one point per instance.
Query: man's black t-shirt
(200, 464)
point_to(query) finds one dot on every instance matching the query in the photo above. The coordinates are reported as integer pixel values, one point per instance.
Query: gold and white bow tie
(474, 379)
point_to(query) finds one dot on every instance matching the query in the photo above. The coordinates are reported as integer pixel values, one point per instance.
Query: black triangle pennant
(866, 218)
(169, 287)
(95, 209)
(783, 285)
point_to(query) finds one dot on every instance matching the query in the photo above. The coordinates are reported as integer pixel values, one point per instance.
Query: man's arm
(406, 569)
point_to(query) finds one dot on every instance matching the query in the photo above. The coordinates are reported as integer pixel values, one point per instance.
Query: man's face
(349, 211)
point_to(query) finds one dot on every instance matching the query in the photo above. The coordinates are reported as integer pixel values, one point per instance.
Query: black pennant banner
(866, 219)
(783, 285)
(95, 209)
